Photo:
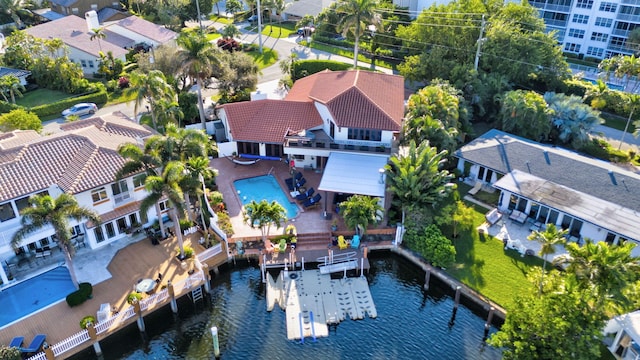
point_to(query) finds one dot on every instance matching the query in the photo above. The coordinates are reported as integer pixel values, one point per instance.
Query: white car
(80, 109)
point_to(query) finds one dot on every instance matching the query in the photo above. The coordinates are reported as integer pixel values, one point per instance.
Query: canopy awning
(354, 174)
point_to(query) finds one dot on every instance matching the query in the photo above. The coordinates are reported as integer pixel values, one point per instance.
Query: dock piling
(427, 277)
(457, 298)
(216, 343)
(487, 325)
(207, 278)
(172, 294)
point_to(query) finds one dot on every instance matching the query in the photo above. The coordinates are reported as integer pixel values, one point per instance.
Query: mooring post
(93, 335)
(172, 294)
(427, 277)
(207, 278)
(457, 298)
(303, 263)
(487, 325)
(216, 343)
(48, 351)
(138, 310)
(263, 270)
(362, 267)
(365, 251)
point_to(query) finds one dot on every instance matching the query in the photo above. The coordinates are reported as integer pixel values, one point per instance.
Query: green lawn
(347, 53)
(40, 97)
(119, 98)
(221, 19)
(267, 58)
(617, 122)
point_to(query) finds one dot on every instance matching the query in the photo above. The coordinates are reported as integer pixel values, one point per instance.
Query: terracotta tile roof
(82, 157)
(116, 213)
(73, 31)
(356, 98)
(147, 29)
(268, 120)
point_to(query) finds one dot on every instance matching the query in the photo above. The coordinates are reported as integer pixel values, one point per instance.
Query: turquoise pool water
(34, 294)
(610, 85)
(264, 187)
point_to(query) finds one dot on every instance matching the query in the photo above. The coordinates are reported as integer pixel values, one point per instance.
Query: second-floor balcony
(318, 139)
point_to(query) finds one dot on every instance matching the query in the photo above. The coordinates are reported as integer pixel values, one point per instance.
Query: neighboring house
(121, 36)
(341, 122)
(81, 160)
(622, 336)
(297, 9)
(79, 7)
(592, 198)
(20, 74)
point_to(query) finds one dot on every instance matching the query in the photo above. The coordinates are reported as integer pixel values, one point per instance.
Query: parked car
(253, 18)
(306, 31)
(80, 109)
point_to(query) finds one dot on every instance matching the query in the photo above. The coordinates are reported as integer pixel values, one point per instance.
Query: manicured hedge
(81, 295)
(6, 107)
(309, 67)
(99, 97)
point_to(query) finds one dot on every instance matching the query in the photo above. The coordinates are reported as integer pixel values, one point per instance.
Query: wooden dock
(314, 301)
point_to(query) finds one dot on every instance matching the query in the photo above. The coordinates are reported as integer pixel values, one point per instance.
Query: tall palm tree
(359, 211)
(263, 215)
(548, 238)
(98, 34)
(632, 102)
(609, 272)
(357, 15)
(199, 171)
(416, 178)
(167, 185)
(179, 143)
(151, 88)
(168, 111)
(47, 211)
(10, 84)
(198, 58)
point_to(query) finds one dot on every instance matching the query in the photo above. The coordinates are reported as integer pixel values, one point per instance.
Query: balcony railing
(619, 32)
(628, 17)
(330, 145)
(122, 198)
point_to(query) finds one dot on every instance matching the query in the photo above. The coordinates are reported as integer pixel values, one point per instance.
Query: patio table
(146, 285)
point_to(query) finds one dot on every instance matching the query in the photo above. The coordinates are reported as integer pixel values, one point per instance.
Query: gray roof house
(19, 73)
(592, 198)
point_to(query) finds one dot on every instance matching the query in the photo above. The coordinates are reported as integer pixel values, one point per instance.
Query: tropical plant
(167, 185)
(623, 68)
(357, 16)
(526, 114)
(89, 319)
(359, 211)
(10, 353)
(20, 119)
(150, 87)
(10, 84)
(263, 215)
(198, 58)
(632, 103)
(232, 7)
(230, 31)
(548, 239)
(573, 120)
(46, 211)
(98, 34)
(458, 215)
(416, 178)
(134, 297)
(199, 174)
(12, 8)
(597, 94)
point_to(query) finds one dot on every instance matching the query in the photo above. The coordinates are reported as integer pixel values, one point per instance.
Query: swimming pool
(34, 294)
(609, 85)
(264, 187)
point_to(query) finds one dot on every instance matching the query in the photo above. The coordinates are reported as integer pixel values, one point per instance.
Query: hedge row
(308, 67)
(99, 97)
(81, 295)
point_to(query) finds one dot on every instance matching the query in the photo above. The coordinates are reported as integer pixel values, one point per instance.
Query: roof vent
(613, 177)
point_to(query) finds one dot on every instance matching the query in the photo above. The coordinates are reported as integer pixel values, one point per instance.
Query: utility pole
(199, 17)
(480, 41)
(259, 26)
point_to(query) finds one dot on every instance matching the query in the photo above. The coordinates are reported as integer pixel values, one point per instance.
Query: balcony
(629, 18)
(122, 198)
(319, 140)
(631, 2)
(620, 32)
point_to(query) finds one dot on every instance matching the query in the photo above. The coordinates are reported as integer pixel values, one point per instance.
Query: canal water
(411, 324)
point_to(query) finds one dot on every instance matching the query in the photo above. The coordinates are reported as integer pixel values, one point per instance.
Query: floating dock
(312, 301)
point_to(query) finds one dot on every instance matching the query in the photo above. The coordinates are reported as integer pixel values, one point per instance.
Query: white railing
(209, 253)
(191, 230)
(114, 322)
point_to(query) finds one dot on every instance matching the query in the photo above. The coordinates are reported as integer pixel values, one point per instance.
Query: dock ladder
(196, 294)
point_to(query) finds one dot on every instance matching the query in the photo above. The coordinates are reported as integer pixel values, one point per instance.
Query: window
(164, 205)
(90, 63)
(83, 63)
(74, 10)
(94, 6)
(22, 203)
(608, 7)
(111, 232)
(584, 4)
(576, 33)
(365, 134)
(99, 195)
(138, 180)
(618, 41)
(580, 19)
(99, 234)
(120, 191)
(570, 47)
(596, 36)
(594, 51)
(6, 212)
(604, 22)
(629, 10)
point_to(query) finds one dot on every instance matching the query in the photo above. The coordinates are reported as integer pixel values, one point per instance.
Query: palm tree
(230, 31)
(200, 171)
(359, 211)
(198, 58)
(98, 34)
(609, 272)
(357, 15)
(632, 102)
(263, 215)
(167, 185)
(168, 111)
(179, 143)
(415, 176)
(11, 84)
(151, 88)
(525, 113)
(12, 7)
(548, 238)
(572, 118)
(280, 6)
(47, 211)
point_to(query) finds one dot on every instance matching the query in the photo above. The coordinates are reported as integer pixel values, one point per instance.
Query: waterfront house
(545, 184)
(81, 160)
(343, 123)
(19, 73)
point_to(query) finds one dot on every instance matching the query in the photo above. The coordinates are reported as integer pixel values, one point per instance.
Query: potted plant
(89, 319)
(134, 296)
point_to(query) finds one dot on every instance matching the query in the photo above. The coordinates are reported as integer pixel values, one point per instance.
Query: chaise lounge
(518, 216)
(35, 345)
(17, 342)
(304, 196)
(293, 181)
(312, 202)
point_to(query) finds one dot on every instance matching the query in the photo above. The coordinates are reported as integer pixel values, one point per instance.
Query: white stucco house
(20, 74)
(340, 123)
(120, 36)
(81, 160)
(591, 198)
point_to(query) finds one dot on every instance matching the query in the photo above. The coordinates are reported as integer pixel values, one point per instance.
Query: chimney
(92, 20)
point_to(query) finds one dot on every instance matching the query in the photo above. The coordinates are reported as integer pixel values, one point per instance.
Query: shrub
(81, 295)
(134, 296)
(123, 82)
(188, 251)
(84, 323)
(301, 69)
(10, 353)
(224, 223)
(20, 119)
(185, 224)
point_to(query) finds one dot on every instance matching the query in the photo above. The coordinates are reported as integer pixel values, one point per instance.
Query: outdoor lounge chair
(342, 243)
(17, 341)
(300, 183)
(293, 180)
(355, 242)
(312, 202)
(307, 194)
(35, 344)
